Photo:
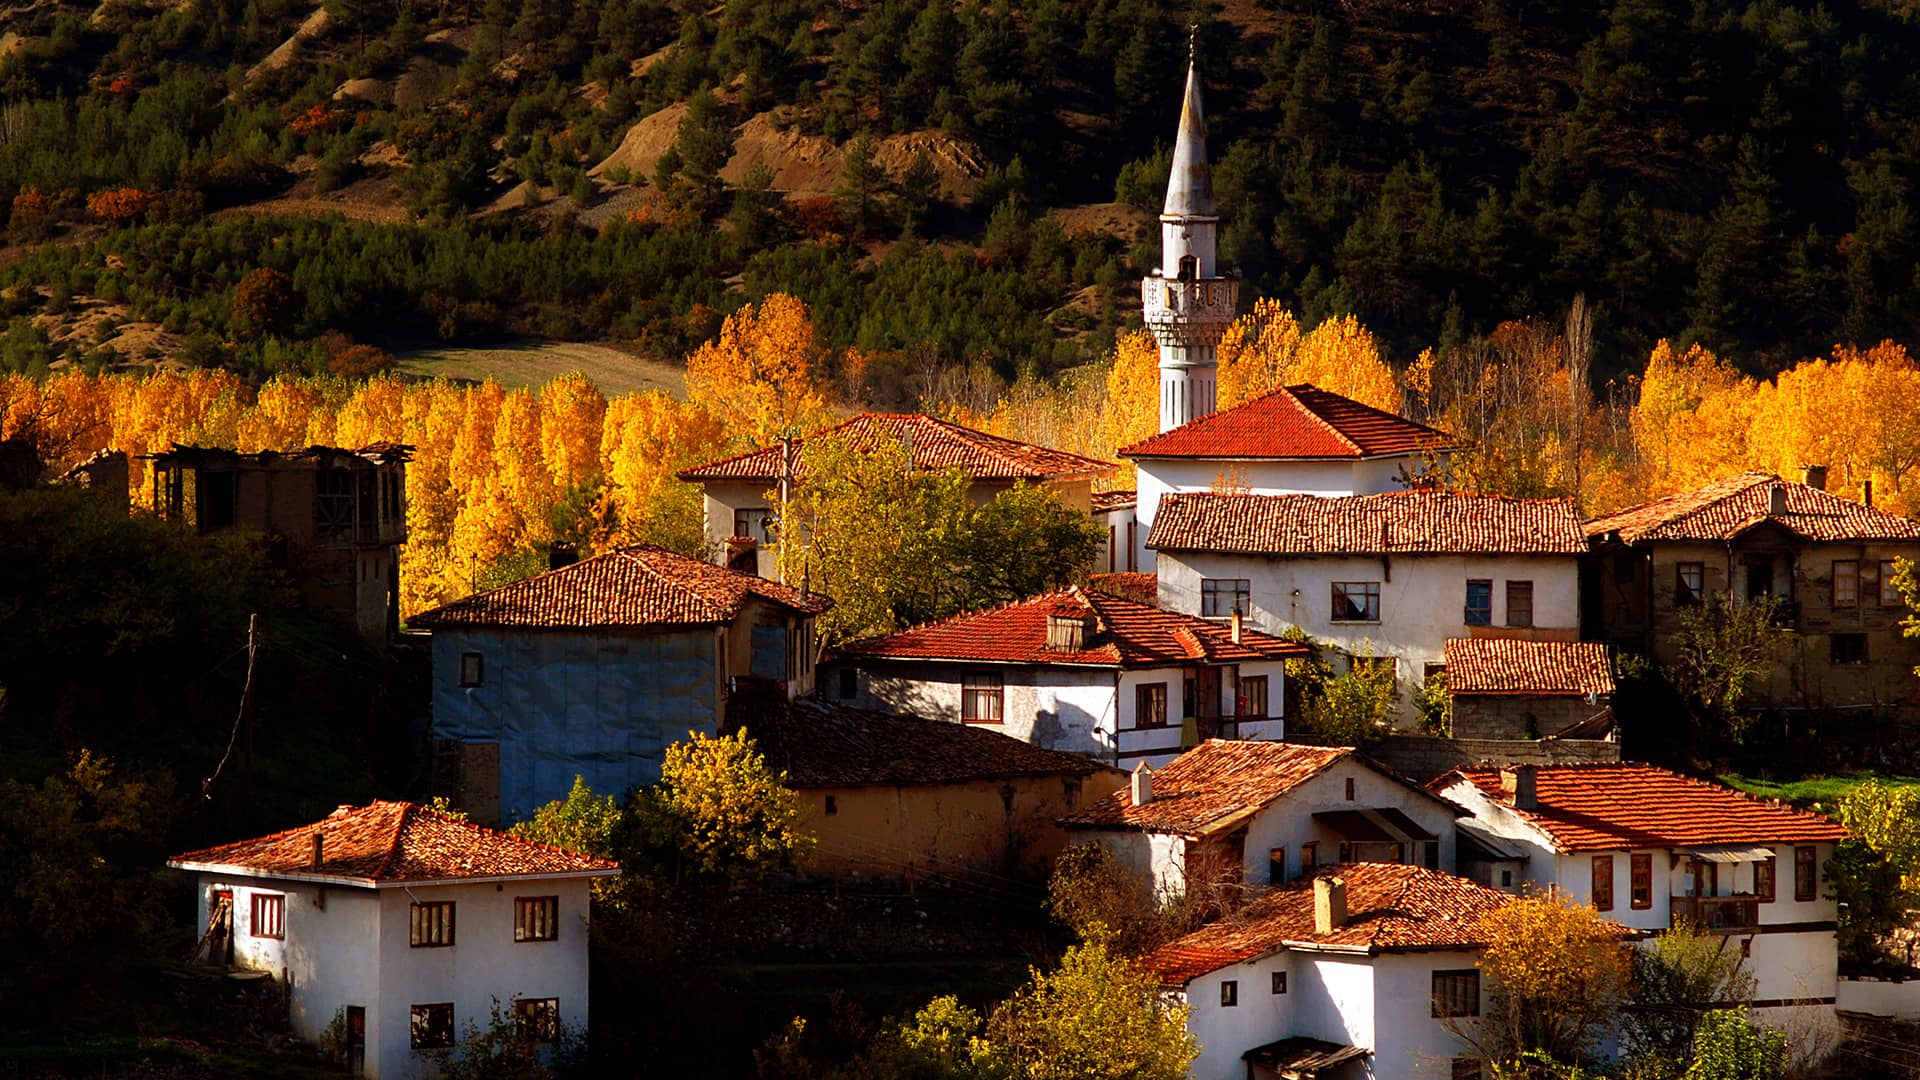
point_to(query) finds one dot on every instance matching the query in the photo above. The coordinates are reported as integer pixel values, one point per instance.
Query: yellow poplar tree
(1132, 409)
(765, 375)
(571, 414)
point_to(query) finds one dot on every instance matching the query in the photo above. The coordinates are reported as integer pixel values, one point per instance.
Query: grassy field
(1816, 792)
(533, 362)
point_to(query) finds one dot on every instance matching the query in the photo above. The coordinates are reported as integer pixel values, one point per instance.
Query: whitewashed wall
(1409, 1041)
(1289, 820)
(1261, 1016)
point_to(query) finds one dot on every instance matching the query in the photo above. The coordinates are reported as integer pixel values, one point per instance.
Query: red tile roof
(1127, 585)
(1104, 501)
(1301, 421)
(1390, 908)
(1614, 805)
(1125, 634)
(820, 744)
(633, 588)
(1396, 523)
(1727, 508)
(1507, 666)
(393, 842)
(937, 444)
(1217, 784)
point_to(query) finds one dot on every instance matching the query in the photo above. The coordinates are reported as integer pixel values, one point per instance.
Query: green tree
(1683, 974)
(1723, 648)
(917, 189)
(1022, 542)
(861, 185)
(583, 822)
(1354, 707)
(725, 815)
(1730, 1046)
(1094, 1016)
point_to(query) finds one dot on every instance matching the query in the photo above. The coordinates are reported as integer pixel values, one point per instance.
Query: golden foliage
(765, 375)
(1556, 970)
(1265, 350)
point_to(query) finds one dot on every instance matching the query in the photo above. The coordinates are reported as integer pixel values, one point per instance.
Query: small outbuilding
(1503, 688)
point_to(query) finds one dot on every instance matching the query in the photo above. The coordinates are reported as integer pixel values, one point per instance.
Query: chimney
(1520, 784)
(319, 849)
(1142, 784)
(1814, 476)
(1236, 624)
(562, 554)
(1777, 500)
(1329, 904)
(1866, 493)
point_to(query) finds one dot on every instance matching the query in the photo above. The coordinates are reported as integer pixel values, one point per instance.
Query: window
(1309, 857)
(219, 500)
(981, 698)
(1804, 874)
(1456, 993)
(1603, 883)
(537, 1019)
(1479, 603)
(432, 1026)
(849, 684)
(536, 918)
(1765, 873)
(1846, 583)
(833, 804)
(1349, 789)
(430, 925)
(473, 667)
(1623, 569)
(1847, 648)
(269, 915)
(1276, 865)
(1253, 696)
(1506, 879)
(1519, 603)
(1689, 583)
(755, 523)
(1279, 982)
(333, 504)
(1889, 593)
(1640, 883)
(1229, 994)
(1150, 705)
(1221, 598)
(1356, 601)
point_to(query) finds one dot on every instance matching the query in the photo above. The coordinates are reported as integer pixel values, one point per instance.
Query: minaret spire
(1186, 302)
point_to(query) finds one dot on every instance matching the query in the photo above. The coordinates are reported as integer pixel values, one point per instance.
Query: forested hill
(1730, 172)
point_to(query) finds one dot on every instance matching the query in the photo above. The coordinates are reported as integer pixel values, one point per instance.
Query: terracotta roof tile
(1727, 508)
(1217, 783)
(1507, 666)
(395, 842)
(1126, 634)
(1613, 805)
(1128, 585)
(937, 444)
(643, 586)
(1104, 501)
(1390, 908)
(821, 744)
(1301, 421)
(1405, 522)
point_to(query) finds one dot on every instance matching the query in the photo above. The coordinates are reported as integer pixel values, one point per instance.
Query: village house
(592, 669)
(1113, 511)
(393, 928)
(1230, 813)
(1356, 971)
(1504, 688)
(1078, 670)
(333, 519)
(1385, 579)
(1825, 563)
(743, 493)
(901, 796)
(1652, 849)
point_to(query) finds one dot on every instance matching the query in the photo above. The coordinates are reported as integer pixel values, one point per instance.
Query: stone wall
(1513, 716)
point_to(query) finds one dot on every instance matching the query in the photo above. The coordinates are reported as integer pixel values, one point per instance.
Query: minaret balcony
(1189, 310)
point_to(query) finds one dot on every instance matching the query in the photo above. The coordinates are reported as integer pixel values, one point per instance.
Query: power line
(245, 716)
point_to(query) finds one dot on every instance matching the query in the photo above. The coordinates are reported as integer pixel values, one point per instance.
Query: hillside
(1737, 173)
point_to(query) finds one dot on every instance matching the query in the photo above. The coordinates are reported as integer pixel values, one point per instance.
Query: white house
(1078, 670)
(402, 926)
(743, 492)
(1391, 576)
(1266, 813)
(593, 669)
(1651, 848)
(1360, 971)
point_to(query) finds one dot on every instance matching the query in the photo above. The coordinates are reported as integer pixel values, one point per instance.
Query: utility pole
(246, 700)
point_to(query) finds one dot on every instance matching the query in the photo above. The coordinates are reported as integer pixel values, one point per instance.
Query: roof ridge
(1294, 393)
(399, 837)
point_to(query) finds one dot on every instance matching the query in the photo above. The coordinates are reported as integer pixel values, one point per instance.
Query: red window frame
(536, 918)
(1602, 883)
(1766, 879)
(1806, 874)
(1640, 882)
(429, 923)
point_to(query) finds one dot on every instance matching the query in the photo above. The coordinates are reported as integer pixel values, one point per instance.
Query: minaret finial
(1193, 31)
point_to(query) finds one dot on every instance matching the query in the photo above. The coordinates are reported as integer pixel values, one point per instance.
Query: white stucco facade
(345, 945)
(1422, 600)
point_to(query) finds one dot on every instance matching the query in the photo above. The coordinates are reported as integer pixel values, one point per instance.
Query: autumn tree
(1678, 978)
(1094, 1016)
(1875, 874)
(1728, 1045)
(765, 376)
(263, 301)
(725, 814)
(1265, 349)
(1556, 973)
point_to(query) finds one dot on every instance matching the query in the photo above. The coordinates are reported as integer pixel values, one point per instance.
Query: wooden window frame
(536, 918)
(1309, 857)
(1478, 614)
(1602, 872)
(417, 1011)
(1229, 993)
(1237, 592)
(1245, 700)
(1276, 866)
(1456, 993)
(1344, 594)
(1279, 982)
(541, 1015)
(1852, 577)
(270, 910)
(980, 687)
(1640, 881)
(1854, 655)
(1150, 694)
(1806, 873)
(1889, 595)
(417, 911)
(1771, 877)
(1684, 594)
(1522, 591)
(479, 675)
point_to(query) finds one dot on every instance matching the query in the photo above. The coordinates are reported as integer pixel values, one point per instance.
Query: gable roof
(1300, 421)
(822, 744)
(1220, 783)
(392, 843)
(1108, 501)
(1390, 908)
(633, 588)
(1607, 806)
(1510, 666)
(936, 444)
(1126, 634)
(1727, 508)
(1127, 585)
(1393, 523)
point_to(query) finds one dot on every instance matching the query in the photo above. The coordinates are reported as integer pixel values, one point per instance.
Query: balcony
(1169, 305)
(1722, 913)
